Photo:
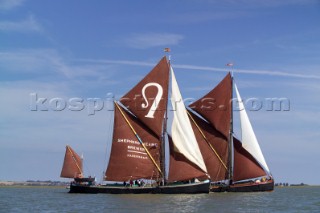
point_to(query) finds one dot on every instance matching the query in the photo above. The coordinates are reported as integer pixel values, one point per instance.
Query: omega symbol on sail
(157, 100)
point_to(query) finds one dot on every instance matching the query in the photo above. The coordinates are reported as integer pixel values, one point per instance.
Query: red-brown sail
(216, 160)
(128, 159)
(148, 99)
(181, 168)
(245, 166)
(72, 164)
(215, 106)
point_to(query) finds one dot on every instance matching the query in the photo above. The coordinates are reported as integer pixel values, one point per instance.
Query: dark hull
(245, 187)
(192, 188)
(88, 179)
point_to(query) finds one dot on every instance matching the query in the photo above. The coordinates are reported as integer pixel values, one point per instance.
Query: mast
(164, 130)
(163, 156)
(231, 151)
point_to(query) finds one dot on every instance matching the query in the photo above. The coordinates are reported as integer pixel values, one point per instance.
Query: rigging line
(74, 159)
(139, 139)
(205, 138)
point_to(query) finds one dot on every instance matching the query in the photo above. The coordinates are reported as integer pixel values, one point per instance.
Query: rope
(205, 138)
(139, 139)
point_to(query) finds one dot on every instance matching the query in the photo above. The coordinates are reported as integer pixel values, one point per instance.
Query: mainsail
(147, 104)
(128, 159)
(148, 99)
(215, 106)
(214, 128)
(72, 164)
(213, 146)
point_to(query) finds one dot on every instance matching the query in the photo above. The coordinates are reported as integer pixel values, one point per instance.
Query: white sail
(183, 136)
(249, 139)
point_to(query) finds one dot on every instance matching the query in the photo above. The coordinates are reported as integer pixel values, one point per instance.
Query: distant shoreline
(49, 183)
(291, 185)
(34, 183)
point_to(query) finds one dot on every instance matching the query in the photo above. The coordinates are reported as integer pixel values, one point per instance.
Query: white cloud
(10, 4)
(256, 72)
(124, 62)
(26, 60)
(30, 24)
(144, 41)
(214, 69)
(48, 62)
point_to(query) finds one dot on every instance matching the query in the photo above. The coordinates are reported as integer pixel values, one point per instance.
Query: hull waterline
(245, 187)
(192, 188)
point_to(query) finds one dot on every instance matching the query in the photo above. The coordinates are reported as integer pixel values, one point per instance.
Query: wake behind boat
(139, 137)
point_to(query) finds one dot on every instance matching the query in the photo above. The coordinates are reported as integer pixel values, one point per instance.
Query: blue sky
(61, 50)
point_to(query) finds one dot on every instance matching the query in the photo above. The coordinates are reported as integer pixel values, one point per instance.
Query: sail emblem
(156, 102)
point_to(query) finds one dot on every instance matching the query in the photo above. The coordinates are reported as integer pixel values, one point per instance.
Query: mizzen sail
(72, 164)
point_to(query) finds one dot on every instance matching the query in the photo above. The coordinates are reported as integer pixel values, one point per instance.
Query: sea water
(51, 199)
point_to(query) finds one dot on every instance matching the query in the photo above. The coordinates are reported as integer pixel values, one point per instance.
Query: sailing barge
(73, 167)
(204, 154)
(234, 165)
(139, 137)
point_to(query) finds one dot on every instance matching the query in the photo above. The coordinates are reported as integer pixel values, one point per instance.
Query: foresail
(182, 134)
(213, 146)
(215, 106)
(128, 159)
(72, 164)
(148, 99)
(248, 138)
